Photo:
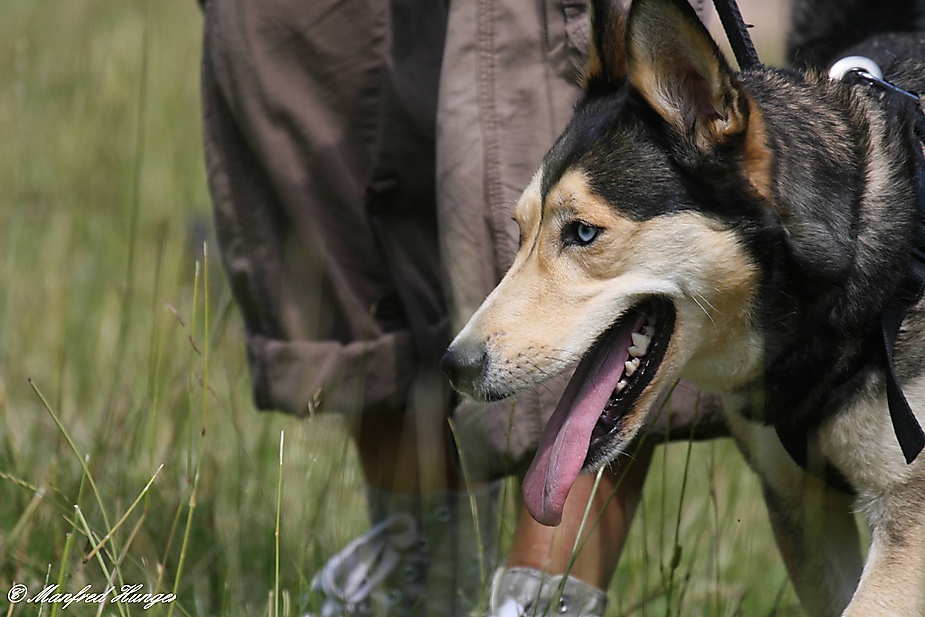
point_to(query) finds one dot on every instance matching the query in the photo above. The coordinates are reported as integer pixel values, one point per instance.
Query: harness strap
(796, 443)
(908, 431)
(882, 341)
(737, 33)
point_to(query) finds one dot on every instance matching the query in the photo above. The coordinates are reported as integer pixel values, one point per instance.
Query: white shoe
(525, 592)
(359, 581)
(423, 559)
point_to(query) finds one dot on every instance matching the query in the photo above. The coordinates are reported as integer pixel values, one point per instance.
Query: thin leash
(908, 431)
(737, 33)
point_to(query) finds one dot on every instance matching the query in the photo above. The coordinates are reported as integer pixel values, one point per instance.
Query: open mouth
(638, 340)
(601, 397)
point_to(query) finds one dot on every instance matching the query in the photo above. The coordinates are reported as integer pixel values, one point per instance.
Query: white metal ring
(855, 63)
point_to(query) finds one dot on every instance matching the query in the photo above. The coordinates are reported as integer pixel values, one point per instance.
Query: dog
(746, 231)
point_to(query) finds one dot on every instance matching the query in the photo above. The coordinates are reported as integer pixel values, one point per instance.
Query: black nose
(464, 366)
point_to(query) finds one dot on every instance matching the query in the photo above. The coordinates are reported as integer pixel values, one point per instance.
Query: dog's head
(630, 259)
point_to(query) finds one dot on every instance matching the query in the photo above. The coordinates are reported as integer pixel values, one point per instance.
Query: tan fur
(555, 302)
(758, 155)
(557, 299)
(892, 580)
(663, 72)
(812, 522)
(614, 57)
(865, 447)
(591, 69)
(572, 296)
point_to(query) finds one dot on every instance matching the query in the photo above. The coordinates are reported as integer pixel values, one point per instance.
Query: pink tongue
(564, 447)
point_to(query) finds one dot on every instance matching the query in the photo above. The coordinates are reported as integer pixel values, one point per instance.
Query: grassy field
(125, 413)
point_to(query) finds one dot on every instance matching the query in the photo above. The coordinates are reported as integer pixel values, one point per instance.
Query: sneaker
(380, 573)
(525, 592)
(424, 559)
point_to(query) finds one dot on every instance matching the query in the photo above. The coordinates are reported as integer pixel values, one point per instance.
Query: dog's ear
(605, 67)
(674, 63)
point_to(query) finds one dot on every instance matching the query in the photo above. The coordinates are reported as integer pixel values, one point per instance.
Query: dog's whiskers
(705, 311)
(566, 356)
(529, 362)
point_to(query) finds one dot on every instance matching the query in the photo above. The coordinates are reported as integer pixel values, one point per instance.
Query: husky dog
(746, 231)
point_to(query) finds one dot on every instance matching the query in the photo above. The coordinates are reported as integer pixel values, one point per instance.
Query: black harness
(908, 431)
(882, 341)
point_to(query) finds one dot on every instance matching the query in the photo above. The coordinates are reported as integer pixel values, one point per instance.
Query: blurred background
(122, 364)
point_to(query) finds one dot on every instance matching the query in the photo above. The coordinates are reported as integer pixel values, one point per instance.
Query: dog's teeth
(631, 366)
(649, 331)
(620, 386)
(640, 345)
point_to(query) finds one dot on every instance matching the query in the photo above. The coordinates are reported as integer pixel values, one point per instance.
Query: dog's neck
(847, 209)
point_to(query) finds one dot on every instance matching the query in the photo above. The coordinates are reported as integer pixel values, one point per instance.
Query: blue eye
(580, 234)
(586, 233)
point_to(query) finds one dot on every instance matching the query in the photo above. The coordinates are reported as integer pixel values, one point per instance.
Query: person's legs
(319, 131)
(568, 568)
(395, 456)
(552, 549)
(409, 469)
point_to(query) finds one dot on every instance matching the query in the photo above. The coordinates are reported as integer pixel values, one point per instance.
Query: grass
(129, 449)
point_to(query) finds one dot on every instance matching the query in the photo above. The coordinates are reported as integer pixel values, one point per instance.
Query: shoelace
(351, 576)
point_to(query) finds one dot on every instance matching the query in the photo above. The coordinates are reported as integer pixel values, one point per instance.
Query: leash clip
(869, 71)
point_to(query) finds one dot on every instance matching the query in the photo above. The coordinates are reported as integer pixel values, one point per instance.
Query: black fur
(821, 30)
(829, 265)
